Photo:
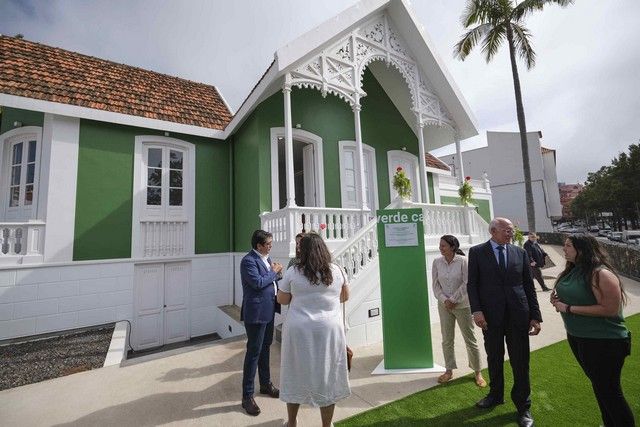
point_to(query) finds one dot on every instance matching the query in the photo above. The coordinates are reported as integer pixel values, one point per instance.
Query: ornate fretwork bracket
(339, 69)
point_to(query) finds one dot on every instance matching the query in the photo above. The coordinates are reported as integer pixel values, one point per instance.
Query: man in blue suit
(504, 304)
(259, 276)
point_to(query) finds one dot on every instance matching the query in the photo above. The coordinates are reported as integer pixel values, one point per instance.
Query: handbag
(344, 323)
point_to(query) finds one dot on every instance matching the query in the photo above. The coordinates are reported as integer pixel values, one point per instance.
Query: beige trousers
(447, 326)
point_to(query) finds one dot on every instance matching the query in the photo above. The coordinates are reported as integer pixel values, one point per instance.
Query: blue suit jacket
(495, 292)
(258, 291)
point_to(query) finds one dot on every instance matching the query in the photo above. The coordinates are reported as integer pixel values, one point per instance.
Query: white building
(501, 160)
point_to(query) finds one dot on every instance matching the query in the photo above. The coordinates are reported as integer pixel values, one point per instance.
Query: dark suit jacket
(495, 292)
(258, 292)
(535, 253)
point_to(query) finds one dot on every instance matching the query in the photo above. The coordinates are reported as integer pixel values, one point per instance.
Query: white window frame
(308, 138)
(26, 133)
(143, 142)
(367, 150)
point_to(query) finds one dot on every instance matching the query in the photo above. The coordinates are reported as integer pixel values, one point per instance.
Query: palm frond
(527, 7)
(479, 12)
(470, 40)
(493, 40)
(524, 49)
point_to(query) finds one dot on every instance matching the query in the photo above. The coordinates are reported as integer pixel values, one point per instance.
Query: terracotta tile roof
(545, 150)
(47, 73)
(434, 162)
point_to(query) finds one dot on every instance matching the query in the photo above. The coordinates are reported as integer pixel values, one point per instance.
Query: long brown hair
(315, 260)
(590, 258)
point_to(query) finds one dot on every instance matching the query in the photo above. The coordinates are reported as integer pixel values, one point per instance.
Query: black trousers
(536, 272)
(602, 361)
(516, 335)
(259, 339)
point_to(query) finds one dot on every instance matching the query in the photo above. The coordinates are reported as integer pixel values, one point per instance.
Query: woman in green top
(589, 295)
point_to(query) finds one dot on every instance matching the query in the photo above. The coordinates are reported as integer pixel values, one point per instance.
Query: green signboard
(403, 284)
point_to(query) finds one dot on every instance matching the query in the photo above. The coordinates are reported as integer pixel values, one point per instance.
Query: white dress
(313, 357)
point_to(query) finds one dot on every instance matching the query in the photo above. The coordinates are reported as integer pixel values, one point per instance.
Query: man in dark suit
(536, 256)
(504, 304)
(259, 276)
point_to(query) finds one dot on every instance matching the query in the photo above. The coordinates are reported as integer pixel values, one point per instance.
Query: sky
(583, 94)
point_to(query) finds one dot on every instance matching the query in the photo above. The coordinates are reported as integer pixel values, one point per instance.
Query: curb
(118, 348)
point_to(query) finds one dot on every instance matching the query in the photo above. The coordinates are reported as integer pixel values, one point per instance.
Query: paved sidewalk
(202, 386)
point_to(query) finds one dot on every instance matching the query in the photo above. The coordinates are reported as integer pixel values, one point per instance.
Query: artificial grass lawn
(561, 395)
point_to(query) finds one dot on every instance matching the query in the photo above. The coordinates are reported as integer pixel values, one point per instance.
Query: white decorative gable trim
(339, 69)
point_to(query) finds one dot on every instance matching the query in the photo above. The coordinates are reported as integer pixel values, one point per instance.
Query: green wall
(26, 117)
(484, 209)
(105, 183)
(432, 193)
(330, 118)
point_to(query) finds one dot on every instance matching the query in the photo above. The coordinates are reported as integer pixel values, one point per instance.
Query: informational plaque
(397, 235)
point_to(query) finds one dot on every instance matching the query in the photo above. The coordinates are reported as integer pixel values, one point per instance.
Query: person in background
(536, 256)
(296, 259)
(449, 282)
(504, 305)
(313, 357)
(589, 295)
(259, 276)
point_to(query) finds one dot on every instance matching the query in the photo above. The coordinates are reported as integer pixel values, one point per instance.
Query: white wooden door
(149, 283)
(161, 304)
(309, 175)
(176, 302)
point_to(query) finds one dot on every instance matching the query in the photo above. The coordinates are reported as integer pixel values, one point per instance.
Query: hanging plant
(401, 183)
(465, 191)
(518, 236)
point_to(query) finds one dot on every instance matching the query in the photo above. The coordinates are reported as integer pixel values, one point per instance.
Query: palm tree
(495, 21)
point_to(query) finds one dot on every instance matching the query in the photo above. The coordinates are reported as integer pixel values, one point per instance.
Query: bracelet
(569, 309)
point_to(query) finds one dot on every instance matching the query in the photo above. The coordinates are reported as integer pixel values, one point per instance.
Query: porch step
(232, 311)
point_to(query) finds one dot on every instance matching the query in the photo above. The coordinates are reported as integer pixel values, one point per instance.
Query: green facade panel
(104, 198)
(26, 117)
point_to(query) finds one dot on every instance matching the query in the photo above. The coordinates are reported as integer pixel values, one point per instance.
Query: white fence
(21, 242)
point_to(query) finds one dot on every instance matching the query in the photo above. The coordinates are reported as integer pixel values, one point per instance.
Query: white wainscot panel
(82, 302)
(35, 308)
(97, 317)
(79, 272)
(97, 285)
(7, 277)
(57, 290)
(124, 312)
(17, 328)
(204, 300)
(116, 269)
(56, 322)
(374, 331)
(203, 321)
(117, 298)
(38, 275)
(18, 293)
(6, 311)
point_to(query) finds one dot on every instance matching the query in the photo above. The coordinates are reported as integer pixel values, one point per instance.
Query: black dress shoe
(525, 419)
(489, 402)
(250, 406)
(545, 289)
(270, 389)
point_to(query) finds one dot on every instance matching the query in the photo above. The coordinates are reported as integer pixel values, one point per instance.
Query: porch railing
(333, 224)
(19, 240)
(163, 238)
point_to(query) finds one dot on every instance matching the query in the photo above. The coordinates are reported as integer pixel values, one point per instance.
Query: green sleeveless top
(573, 290)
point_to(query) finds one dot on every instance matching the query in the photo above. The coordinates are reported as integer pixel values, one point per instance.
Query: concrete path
(201, 386)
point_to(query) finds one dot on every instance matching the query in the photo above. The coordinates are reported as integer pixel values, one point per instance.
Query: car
(594, 229)
(616, 236)
(604, 233)
(630, 235)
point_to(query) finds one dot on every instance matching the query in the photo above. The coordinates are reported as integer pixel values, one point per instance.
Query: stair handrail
(359, 250)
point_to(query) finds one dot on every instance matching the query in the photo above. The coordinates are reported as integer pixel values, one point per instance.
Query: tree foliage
(614, 188)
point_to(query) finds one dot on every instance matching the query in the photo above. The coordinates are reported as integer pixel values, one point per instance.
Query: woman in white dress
(313, 354)
(450, 289)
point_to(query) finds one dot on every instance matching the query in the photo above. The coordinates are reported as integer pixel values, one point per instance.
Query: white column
(424, 184)
(459, 156)
(288, 141)
(360, 158)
